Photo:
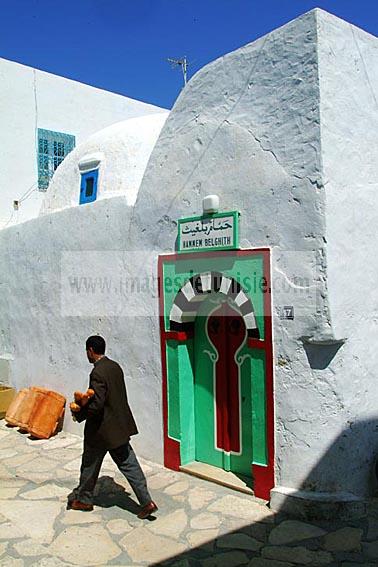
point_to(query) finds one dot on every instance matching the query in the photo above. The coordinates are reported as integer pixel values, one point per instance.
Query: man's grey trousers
(125, 459)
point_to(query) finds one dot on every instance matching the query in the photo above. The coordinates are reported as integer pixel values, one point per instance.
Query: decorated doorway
(217, 362)
(222, 393)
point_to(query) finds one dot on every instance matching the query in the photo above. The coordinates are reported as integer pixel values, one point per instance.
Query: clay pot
(32, 399)
(46, 415)
(14, 409)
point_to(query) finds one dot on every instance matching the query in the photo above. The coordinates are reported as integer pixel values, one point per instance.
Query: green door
(222, 387)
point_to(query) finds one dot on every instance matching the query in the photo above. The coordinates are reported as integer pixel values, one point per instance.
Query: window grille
(52, 149)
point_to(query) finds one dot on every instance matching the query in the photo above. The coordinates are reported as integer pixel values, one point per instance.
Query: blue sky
(123, 45)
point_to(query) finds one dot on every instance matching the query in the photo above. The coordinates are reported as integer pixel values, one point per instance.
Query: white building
(43, 117)
(285, 131)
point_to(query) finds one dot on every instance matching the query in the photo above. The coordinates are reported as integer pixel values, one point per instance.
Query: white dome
(120, 152)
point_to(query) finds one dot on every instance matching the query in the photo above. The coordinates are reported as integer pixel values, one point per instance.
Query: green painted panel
(185, 357)
(204, 357)
(173, 390)
(259, 407)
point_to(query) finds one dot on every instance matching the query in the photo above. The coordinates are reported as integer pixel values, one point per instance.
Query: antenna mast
(183, 63)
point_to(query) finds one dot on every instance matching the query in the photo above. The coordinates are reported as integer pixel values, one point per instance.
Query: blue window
(52, 149)
(88, 186)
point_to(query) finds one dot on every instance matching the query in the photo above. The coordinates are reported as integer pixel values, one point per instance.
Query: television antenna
(183, 63)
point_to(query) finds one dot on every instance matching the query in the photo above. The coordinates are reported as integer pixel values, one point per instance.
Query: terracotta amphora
(46, 415)
(13, 412)
(31, 401)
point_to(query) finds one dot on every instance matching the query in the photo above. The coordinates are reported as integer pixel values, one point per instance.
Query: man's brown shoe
(77, 505)
(147, 510)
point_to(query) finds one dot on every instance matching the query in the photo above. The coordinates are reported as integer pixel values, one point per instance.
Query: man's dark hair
(97, 343)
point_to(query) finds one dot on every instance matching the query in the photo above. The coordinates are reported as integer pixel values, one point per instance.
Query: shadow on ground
(109, 493)
(279, 537)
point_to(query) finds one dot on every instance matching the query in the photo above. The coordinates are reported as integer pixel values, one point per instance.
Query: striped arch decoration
(188, 299)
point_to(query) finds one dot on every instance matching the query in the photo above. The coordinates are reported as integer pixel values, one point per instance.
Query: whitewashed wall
(31, 99)
(260, 128)
(124, 149)
(46, 316)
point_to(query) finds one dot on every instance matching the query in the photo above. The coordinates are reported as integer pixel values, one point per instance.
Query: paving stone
(65, 455)
(179, 498)
(146, 468)
(45, 492)
(73, 465)
(15, 462)
(258, 531)
(30, 449)
(3, 434)
(10, 531)
(72, 517)
(205, 521)
(261, 562)
(51, 562)
(370, 549)
(12, 482)
(85, 545)
(7, 493)
(10, 441)
(4, 473)
(181, 563)
(292, 530)
(171, 525)
(119, 527)
(37, 443)
(160, 480)
(202, 538)
(38, 465)
(198, 497)
(155, 466)
(373, 529)
(7, 453)
(239, 541)
(59, 443)
(144, 546)
(3, 547)
(107, 463)
(242, 508)
(229, 559)
(231, 525)
(30, 548)
(64, 475)
(11, 562)
(177, 488)
(38, 477)
(298, 555)
(35, 519)
(344, 539)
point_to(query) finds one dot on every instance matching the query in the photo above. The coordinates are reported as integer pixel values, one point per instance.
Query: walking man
(109, 426)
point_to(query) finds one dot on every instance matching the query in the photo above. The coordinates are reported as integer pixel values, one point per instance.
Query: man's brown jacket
(109, 421)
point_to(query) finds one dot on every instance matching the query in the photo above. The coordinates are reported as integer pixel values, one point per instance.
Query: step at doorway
(219, 476)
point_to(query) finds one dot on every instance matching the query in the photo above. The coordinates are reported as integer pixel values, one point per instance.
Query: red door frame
(263, 475)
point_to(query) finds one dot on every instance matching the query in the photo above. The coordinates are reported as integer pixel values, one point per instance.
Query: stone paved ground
(198, 524)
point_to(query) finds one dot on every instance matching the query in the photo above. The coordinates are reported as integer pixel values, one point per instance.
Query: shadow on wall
(353, 455)
(349, 464)
(320, 358)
